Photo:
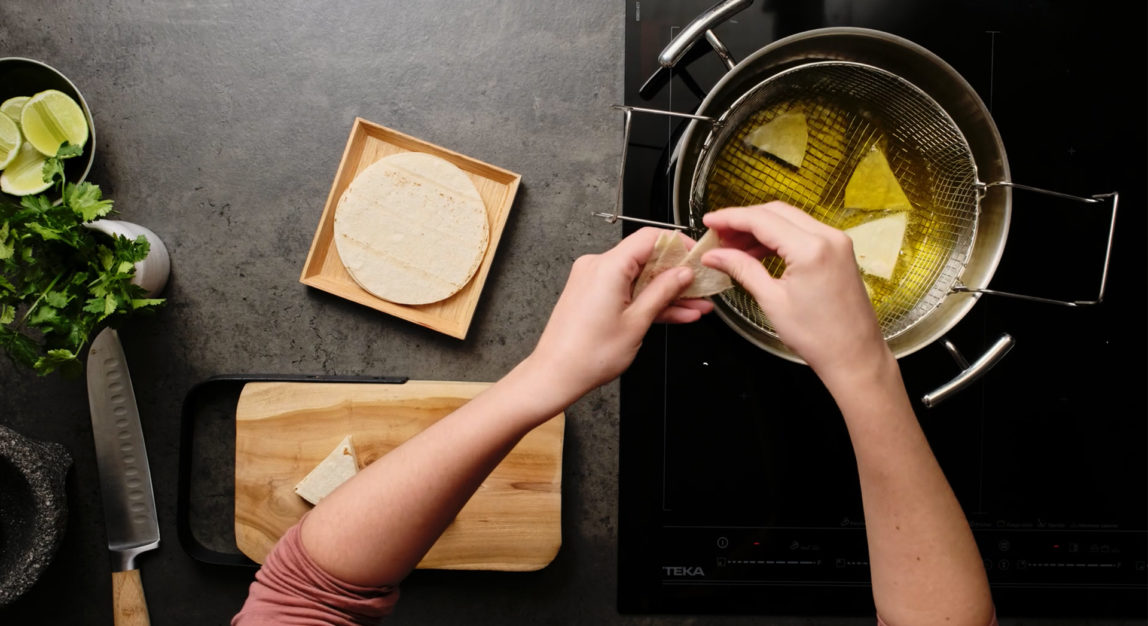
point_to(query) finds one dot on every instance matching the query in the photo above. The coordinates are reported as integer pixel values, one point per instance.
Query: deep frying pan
(919, 104)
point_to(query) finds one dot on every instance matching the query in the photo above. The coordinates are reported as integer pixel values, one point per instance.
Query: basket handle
(700, 27)
(1095, 199)
(971, 372)
(628, 111)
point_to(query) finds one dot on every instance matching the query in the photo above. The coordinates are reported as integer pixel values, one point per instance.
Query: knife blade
(125, 480)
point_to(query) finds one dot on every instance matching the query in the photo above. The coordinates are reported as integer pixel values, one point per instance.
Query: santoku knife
(125, 480)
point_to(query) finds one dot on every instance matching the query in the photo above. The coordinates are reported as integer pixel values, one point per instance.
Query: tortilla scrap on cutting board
(339, 466)
(785, 137)
(873, 186)
(877, 244)
(670, 252)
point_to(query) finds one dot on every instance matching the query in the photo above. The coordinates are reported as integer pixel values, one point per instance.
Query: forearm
(376, 527)
(924, 561)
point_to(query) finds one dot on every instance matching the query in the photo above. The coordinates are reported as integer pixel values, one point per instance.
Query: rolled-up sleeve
(291, 589)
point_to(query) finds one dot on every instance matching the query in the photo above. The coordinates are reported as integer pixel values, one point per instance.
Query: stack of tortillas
(411, 228)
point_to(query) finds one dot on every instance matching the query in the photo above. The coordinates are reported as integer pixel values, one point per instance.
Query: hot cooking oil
(741, 175)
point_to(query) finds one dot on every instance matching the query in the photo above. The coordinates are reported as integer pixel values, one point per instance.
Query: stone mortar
(33, 509)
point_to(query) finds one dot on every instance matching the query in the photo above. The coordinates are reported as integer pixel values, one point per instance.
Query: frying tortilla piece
(670, 252)
(873, 186)
(785, 137)
(877, 244)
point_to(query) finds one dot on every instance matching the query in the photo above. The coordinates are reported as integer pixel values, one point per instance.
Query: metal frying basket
(930, 123)
(850, 108)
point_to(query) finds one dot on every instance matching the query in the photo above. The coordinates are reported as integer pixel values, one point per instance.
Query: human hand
(818, 305)
(595, 330)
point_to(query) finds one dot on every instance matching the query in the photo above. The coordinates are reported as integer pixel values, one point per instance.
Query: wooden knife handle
(128, 603)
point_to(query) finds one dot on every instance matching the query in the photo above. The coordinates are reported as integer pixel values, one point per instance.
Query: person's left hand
(595, 330)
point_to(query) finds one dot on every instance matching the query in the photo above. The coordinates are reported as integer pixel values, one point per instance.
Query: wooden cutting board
(284, 429)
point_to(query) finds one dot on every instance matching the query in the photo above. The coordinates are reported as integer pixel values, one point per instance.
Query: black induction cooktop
(738, 488)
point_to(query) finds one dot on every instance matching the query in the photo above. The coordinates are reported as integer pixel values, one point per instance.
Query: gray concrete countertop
(220, 126)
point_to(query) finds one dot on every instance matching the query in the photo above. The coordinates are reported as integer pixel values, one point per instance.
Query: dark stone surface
(221, 126)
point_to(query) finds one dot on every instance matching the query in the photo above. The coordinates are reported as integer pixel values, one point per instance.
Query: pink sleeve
(291, 589)
(992, 622)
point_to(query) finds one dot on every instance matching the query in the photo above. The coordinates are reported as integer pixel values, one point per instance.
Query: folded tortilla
(670, 252)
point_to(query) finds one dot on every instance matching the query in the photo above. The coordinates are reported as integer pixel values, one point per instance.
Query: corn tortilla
(411, 228)
(877, 243)
(873, 186)
(785, 137)
(670, 252)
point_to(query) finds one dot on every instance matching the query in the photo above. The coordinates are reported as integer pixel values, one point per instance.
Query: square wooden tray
(324, 269)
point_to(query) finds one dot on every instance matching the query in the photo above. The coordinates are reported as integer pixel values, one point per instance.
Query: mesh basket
(851, 108)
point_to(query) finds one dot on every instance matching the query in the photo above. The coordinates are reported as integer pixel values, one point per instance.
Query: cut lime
(51, 118)
(10, 140)
(25, 175)
(12, 107)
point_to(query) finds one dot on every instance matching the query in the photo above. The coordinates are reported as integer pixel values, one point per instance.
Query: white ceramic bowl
(153, 271)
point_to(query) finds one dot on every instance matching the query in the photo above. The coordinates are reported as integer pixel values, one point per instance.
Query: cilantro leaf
(65, 360)
(56, 299)
(7, 248)
(68, 150)
(85, 200)
(53, 168)
(38, 203)
(20, 347)
(43, 315)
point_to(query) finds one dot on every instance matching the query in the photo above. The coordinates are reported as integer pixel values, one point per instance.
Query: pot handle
(1095, 199)
(970, 373)
(699, 27)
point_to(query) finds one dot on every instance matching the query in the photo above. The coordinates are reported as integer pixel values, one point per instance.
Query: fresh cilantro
(68, 151)
(61, 282)
(53, 168)
(84, 199)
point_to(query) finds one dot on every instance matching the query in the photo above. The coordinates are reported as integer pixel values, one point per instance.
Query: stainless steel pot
(961, 107)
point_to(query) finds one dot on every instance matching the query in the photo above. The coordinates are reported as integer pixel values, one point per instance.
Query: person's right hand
(818, 305)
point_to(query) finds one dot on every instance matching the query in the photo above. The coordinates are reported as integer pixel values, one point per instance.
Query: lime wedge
(50, 118)
(25, 175)
(12, 107)
(10, 140)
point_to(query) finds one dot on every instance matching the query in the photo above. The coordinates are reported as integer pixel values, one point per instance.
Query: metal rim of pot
(937, 81)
